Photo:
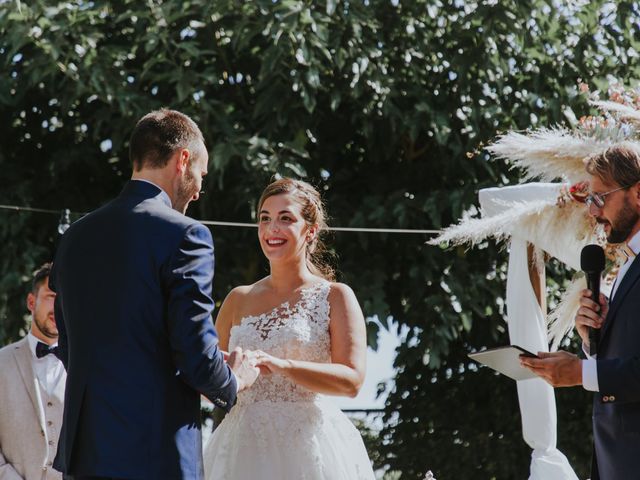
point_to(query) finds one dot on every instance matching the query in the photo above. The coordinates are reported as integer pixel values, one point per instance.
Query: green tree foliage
(376, 102)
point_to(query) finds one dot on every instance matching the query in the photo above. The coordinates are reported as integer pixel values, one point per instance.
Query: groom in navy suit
(614, 373)
(133, 307)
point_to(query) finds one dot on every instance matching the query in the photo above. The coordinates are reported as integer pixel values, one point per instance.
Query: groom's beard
(186, 190)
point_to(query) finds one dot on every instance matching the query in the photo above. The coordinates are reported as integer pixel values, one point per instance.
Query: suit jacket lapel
(22, 356)
(627, 282)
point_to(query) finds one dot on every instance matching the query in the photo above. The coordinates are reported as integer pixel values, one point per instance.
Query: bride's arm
(345, 374)
(226, 317)
(240, 362)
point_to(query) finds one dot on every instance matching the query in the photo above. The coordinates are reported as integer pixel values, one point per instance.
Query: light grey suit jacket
(24, 442)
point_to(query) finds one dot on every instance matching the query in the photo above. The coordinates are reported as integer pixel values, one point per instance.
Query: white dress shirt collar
(49, 369)
(33, 341)
(634, 243)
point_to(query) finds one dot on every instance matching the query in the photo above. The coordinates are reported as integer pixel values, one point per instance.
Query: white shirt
(590, 365)
(48, 369)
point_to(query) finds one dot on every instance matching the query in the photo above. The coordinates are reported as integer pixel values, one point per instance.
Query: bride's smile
(282, 230)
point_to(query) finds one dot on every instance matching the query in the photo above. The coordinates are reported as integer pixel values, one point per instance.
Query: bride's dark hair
(313, 213)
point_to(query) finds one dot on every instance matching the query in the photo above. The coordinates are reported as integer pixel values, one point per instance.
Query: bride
(308, 334)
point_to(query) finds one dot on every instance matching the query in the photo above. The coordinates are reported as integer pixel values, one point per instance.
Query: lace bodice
(298, 332)
(280, 430)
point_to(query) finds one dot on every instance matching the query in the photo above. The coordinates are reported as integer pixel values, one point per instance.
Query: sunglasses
(597, 199)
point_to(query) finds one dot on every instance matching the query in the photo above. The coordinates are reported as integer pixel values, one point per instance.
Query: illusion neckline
(286, 304)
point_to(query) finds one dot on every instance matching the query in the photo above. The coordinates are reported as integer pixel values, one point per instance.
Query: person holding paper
(614, 374)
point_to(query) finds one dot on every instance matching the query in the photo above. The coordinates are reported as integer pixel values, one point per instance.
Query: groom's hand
(243, 368)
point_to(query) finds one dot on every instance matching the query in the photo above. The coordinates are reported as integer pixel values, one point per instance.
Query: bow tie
(42, 350)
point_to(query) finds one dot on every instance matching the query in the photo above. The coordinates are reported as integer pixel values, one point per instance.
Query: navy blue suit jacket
(616, 407)
(133, 307)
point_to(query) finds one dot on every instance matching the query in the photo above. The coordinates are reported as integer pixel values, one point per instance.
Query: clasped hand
(247, 365)
(244, 368)
(269, 364)
(590, 315)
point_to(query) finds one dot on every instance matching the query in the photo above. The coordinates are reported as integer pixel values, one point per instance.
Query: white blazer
(24, 442)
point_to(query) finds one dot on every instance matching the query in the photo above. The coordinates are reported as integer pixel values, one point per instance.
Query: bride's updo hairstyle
(313, 213)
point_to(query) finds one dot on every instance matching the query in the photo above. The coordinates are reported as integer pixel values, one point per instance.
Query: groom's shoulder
(170, 219)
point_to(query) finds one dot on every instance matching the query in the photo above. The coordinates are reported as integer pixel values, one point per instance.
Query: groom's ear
(183, 159)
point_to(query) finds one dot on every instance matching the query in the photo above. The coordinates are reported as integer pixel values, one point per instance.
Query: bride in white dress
(309, 338)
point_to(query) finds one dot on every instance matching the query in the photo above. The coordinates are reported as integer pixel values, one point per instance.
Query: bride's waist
(283, 416)
(297, 396)
(309, 406)
(280, 401)
(276, 389)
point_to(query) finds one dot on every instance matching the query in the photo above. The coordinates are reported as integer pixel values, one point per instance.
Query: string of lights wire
(65, 221)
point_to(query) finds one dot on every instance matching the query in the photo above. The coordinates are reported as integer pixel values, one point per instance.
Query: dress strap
(315, 300)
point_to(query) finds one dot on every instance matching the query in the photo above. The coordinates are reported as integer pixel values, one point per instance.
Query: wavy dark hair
(313, 213)
(619, 164)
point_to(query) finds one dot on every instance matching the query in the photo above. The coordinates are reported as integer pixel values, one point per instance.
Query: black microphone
(592, 264)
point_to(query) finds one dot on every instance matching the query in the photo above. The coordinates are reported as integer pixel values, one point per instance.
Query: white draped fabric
(527, 328)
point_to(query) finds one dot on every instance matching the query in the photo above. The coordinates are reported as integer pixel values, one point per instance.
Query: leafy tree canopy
(377, 102)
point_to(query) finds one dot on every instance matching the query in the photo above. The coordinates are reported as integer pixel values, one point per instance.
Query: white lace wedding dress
(277, 429)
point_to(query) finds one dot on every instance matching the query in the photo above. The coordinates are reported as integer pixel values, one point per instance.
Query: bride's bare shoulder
(340, 292)
(242, 292)
(243, 296)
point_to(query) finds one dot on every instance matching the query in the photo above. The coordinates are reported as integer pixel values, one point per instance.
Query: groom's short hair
(159, 134)
(619, 164)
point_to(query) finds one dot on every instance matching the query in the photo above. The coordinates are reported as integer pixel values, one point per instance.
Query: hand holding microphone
(593, 305)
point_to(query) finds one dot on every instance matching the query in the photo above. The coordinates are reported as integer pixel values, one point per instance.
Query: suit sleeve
(7, 472)
(62, 352)
(620, 378)
(193, 338)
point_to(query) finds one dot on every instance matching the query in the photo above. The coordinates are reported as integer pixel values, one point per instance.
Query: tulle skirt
(286, 441)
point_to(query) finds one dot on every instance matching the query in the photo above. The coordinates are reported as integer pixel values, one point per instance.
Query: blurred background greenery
(384, 105)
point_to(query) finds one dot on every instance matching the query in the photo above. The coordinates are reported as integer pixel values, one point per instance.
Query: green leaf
(308, 100)
(331, 6)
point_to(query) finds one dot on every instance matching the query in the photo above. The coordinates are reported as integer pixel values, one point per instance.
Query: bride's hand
(268, 363)
(240, 363)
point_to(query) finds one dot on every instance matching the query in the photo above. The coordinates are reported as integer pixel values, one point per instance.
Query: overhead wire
(20, 208)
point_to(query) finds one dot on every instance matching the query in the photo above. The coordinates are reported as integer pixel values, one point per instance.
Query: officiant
(614, 373)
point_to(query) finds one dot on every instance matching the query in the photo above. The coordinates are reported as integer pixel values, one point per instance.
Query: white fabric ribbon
(527, 328)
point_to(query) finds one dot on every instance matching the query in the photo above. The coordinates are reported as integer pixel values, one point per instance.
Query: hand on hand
(559, 369)
(243, 367)
(590, 314)
(269, 364)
